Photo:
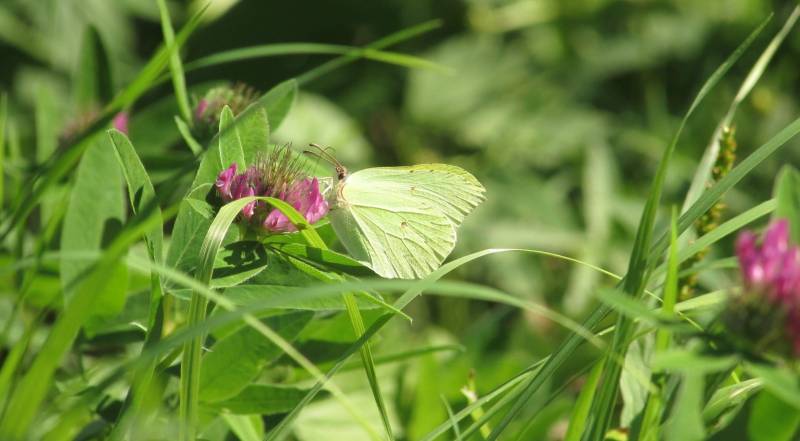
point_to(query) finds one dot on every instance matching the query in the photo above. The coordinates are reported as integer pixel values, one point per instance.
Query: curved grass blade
(216, 321)
(418, 287)
(384, 42)
(190, 366)
(186, 133)
(453, 422)
(639, 265)
(633, 284)
(725, 229)
(59, 165)
(3, 118)
(92, 82)
(283, 49)
(175, 65)
(703, 172)
(649, 427)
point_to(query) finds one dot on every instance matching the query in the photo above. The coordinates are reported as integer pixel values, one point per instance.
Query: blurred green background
(561, 108)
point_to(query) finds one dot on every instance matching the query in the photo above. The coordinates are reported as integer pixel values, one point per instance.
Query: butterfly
(401, 222)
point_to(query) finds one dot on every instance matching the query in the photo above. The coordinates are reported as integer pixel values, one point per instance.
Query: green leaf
(62, 164)
(190, 365)
(781, 382)
(92, 82)
(140, 190)
(95, 213)
(580, 413)
(33, 386)
(328, 258)
(148, 76)
(252, 126)
(249, 294)
(277, 102)
(262, 399)
(686, 422)
(142, 199)
(683, 360)
(236, 360)
(634, 385)
(787, 194)
(726, 403)
(230, 145)
(238, 262)
(191, 224)
(771, 419)
(47, 121)
(246, 428)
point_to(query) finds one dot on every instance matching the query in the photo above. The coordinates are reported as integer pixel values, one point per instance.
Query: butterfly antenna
(323, 153)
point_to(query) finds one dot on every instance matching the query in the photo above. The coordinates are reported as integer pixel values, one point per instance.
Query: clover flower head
(306, 198)
(277, 175)
(772, 267)
(770, 271)
(209, 107)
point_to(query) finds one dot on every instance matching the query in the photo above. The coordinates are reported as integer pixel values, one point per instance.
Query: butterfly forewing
(401, 221)
(453, 190)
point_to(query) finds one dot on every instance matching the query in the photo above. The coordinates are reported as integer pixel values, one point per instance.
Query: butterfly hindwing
(401, 221)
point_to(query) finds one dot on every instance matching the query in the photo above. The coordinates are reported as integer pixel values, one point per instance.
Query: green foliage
(771, 418)
(164, 317)
(95, 214)
(236, 360)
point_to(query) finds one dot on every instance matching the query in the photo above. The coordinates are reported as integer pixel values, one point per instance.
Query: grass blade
(651, 420)
(283, 49)
(703, 172)
(633, 284)
(387, 41)
(191, 364)
(175, 65)
(453, 422)
(580, 412)
(3, 119)
(59, 165)
(416, 289)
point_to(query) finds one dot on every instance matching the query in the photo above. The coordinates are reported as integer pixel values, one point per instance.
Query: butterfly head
(324, 154)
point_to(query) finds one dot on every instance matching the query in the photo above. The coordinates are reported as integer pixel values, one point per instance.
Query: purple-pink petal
(120, 122)
(224, 182)
(747, 251)
(202, 105)
(304, 195)
(306, 198)
(772, 269)
(776, 237)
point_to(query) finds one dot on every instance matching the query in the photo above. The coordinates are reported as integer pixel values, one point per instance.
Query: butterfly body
(401, 221)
